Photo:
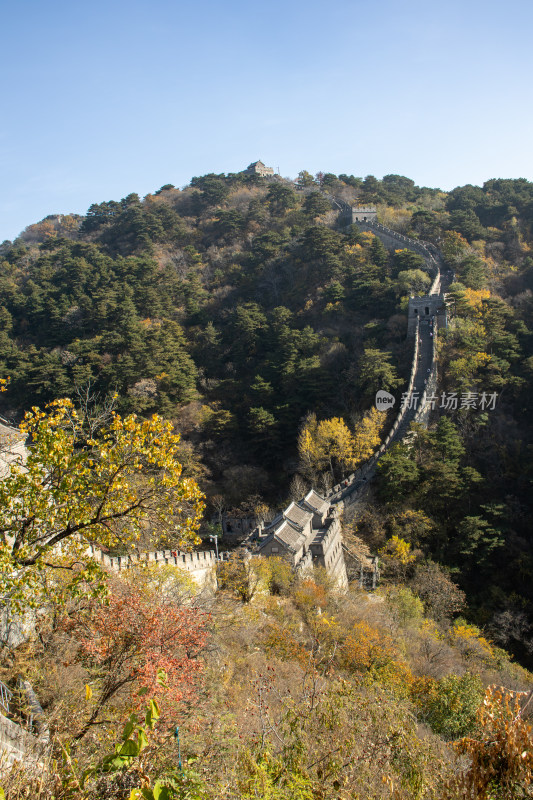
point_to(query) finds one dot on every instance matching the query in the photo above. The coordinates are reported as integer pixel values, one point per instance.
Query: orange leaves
(365, 648)
(282, 643)
(133, 638)
(501, 758)
(310, 595)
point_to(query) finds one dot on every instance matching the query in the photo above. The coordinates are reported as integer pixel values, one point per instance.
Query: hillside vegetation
(300, 693)
(247, 314)
(237, 307)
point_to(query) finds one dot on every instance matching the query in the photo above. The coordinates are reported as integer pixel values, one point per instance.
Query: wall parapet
(355, 484)
(426, 403)
(197, 560)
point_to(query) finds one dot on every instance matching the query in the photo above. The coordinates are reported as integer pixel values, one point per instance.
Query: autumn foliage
(148, 637)
(330, 445)
(79, 485)
(501, 757)
(132, 639)
(309, 595)
(366, 647)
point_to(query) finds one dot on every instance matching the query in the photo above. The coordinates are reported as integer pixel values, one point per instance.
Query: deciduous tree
(131, 639)
(367, 436)
(77, 487)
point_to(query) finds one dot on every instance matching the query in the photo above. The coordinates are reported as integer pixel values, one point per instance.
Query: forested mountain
(249, 314)
(238, 306)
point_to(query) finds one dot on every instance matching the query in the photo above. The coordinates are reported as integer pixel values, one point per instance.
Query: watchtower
(258, 168)
(425, 308)
(364, 214)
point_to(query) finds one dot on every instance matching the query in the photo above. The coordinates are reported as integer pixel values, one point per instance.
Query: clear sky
(102, 99)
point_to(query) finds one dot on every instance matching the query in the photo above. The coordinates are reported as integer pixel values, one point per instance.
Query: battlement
(364, 214)
(198, 560)
(326, 536)
(425, 315)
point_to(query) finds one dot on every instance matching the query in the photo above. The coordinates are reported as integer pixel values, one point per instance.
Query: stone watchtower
(423, 309)
(258, 168)
(364, 214)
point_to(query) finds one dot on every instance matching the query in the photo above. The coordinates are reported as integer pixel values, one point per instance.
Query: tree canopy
(79, 486)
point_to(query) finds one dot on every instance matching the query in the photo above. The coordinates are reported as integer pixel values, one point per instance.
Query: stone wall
(328, 553)
(17, 744)
(29, 744)
(392, 240)
(236, 527)
(426, 404)
(355, 485)
(362, 214)
(199, 564)
(304, 565)
(350, 489)
(421, 308)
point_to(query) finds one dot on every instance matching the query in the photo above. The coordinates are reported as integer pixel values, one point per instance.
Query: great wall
(199, 564)
(312, 528)
(299, 532)
(425, 315)
(423, 328)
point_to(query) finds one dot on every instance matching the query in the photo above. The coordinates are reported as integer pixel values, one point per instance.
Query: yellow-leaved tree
(367, 436)
(308, 448)
(77, 486)
(335, 445)
(474, 299)
(325, 445)
(396, 558)
(330, 445)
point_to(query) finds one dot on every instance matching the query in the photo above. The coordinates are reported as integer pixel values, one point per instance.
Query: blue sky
(102, 99)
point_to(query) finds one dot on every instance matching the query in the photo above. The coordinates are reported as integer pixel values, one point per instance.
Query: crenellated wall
(426, 404)
(351, 488)
(391, 239)
(200, 563)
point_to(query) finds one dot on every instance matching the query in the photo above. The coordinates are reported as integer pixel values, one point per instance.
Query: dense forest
(238, 306)
(245, 311)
